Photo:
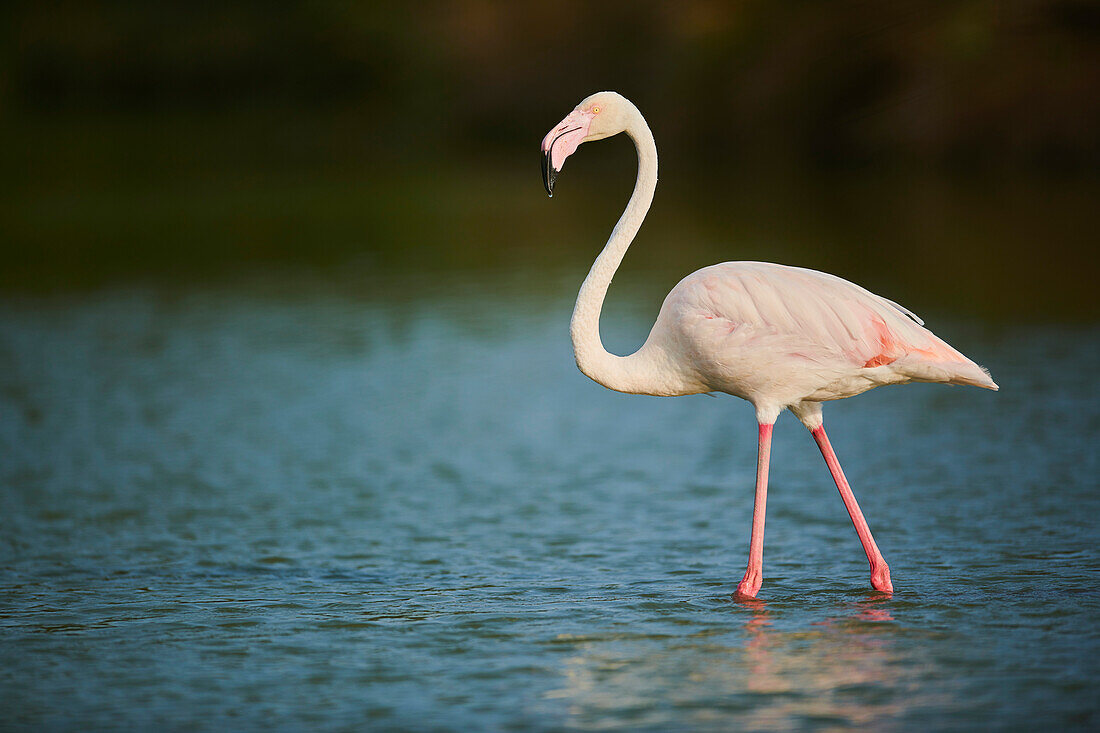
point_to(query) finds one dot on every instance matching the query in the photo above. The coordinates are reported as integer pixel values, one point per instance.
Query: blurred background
(291, 436)
(950, 151)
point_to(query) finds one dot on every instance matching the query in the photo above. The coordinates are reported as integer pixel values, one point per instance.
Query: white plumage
(780, 337)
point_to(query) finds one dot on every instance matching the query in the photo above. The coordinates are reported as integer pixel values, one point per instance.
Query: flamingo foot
(880, 578)
(749, 585)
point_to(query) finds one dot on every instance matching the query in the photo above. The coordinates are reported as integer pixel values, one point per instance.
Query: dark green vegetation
(944, 154)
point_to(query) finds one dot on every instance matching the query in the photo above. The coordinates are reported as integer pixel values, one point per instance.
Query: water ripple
(224, 510)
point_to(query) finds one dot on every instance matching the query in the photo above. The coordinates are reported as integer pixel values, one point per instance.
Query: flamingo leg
(754, 574)
(880, 572)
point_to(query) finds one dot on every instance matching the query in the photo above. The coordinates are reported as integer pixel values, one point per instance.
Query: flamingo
(780, 337)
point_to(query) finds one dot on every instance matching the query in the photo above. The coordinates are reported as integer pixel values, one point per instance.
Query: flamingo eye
(595, 110)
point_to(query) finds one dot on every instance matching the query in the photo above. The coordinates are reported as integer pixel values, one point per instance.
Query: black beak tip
(549, 174)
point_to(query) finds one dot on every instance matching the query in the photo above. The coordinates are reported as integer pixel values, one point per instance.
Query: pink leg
(754, 575)
(880, 572)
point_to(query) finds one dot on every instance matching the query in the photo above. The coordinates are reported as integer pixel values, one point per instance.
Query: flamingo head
(601, 115)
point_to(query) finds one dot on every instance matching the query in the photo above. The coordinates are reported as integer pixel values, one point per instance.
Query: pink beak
(560, 143)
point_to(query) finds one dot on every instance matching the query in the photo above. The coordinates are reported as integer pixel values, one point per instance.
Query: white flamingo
(777, 336)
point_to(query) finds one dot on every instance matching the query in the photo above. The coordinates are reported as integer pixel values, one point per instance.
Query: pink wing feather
(815, 316)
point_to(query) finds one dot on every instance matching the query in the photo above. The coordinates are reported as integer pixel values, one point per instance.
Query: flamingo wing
(809, 330)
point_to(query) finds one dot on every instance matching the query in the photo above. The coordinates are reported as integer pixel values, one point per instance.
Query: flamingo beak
(560, 143)
(549, 175)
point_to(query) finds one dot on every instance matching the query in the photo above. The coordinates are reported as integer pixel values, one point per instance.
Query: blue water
(280, 503)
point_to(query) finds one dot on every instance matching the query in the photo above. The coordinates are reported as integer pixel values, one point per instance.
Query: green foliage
(833, 84)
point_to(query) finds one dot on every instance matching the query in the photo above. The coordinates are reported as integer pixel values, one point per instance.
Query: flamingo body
(780, 337)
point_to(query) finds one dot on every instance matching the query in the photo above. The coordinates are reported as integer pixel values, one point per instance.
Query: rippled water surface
(284, 504)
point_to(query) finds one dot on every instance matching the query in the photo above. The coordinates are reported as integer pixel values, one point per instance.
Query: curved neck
(615, 372)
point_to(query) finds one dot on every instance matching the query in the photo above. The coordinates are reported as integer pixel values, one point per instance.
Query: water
(289, 504)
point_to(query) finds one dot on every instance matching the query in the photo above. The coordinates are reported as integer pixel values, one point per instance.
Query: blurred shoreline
(943, 155)
(118, 200)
